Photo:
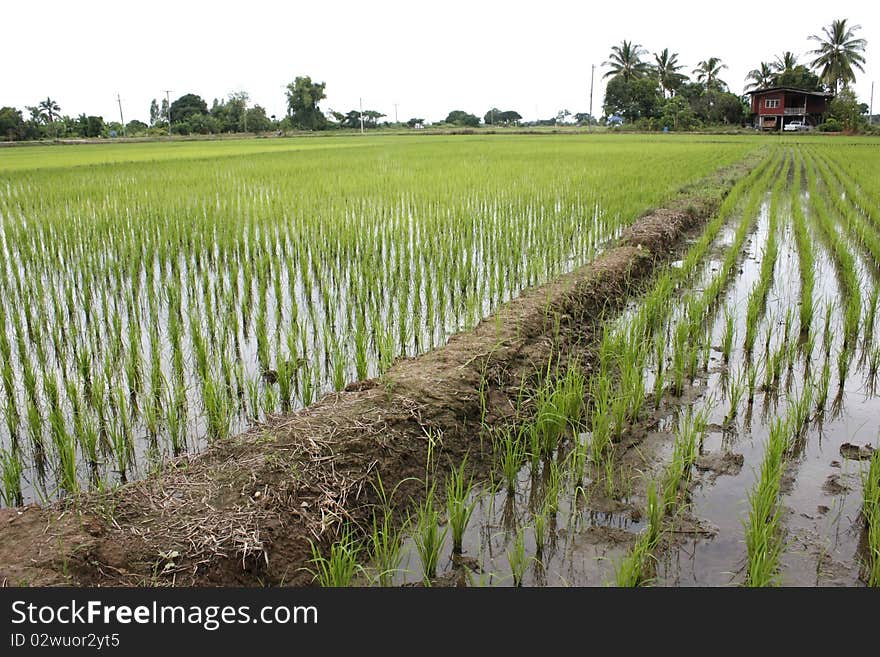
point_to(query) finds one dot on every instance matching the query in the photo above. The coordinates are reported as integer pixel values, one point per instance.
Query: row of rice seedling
(690, 339)
(181, 302)
(871, 514)
(663, 499)
(763, 534)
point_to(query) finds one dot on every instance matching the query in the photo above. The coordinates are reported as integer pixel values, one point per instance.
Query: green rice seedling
(764, 542)
(688, 435)
(385, 547)
(822, 388)
(552, 487)
(516, 558)
(871, 515)
(386, 350)
(151, 417)
(827, 335)
(361, 357)
(735, 389)
(679, 359)
(799, 410)
(218, 412)
(511, 449)
(601, 417)
(608, 466)
(286, 379)
(619, 414)
(11, 470)
(751, 382)
(88, 441)
(341, 566)
(175, 419)
(338, 367)
(550, 415)
(659, 371)
(844, 358)
(636, 569)
(460, 503)
(307, 386)
(428, 537)
(870, 316)
(873, 366)
(539, 528)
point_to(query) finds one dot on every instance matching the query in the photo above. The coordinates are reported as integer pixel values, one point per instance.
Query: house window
(771, 103)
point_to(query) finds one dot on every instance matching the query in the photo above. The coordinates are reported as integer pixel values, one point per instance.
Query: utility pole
(361, 113)
(121, 120)
(168, 102)
(871, 104)
(590, 118)
(395, 112)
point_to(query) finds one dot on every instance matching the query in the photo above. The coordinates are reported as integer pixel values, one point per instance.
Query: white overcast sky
(429, 58)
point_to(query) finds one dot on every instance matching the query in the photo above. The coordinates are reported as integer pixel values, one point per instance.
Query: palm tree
(666, 67)
(761, 77)
(626, 60)
(838, 52)
(51, 110)
(707, 73)
(785, 63)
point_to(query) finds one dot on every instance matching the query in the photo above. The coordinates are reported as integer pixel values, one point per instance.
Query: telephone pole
(121, 120)
(590, 118)
(871, 111)
(361, 113)
(395, 112)
(168, 102)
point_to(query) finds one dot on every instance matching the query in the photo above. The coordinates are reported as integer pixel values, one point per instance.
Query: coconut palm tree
(51, 110)
(838, 53)
(785, 63)
(761, 77)
(666, 67)
(626, 60)
(707, 73)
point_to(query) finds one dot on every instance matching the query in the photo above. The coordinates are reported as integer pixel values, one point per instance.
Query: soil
(246, 510)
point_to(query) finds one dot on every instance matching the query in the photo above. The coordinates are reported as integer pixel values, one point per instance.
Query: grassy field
(159, 297)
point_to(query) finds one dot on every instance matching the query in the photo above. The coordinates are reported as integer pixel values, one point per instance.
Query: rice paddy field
(720, 430)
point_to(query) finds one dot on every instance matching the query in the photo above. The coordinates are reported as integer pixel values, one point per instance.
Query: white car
(796, 126)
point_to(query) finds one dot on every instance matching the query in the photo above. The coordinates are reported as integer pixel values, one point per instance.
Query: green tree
(186, 106)
(677, 114)
(762, 77)
(490, 117)
(460, 117)
(135, 128)
(785, 63)
(51, 110)
(839, 52)
(848, 111)
(625, 60)
(707, 73)
(633, 99)
(12, 127)
(800, 77)
(667, 68)
(154, 112)
(303, 97)
(257, 121)
(94, 126)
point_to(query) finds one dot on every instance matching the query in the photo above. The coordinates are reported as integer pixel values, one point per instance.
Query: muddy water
(821, 489)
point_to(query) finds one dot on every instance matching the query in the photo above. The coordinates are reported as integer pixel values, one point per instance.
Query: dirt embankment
(244, 511)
